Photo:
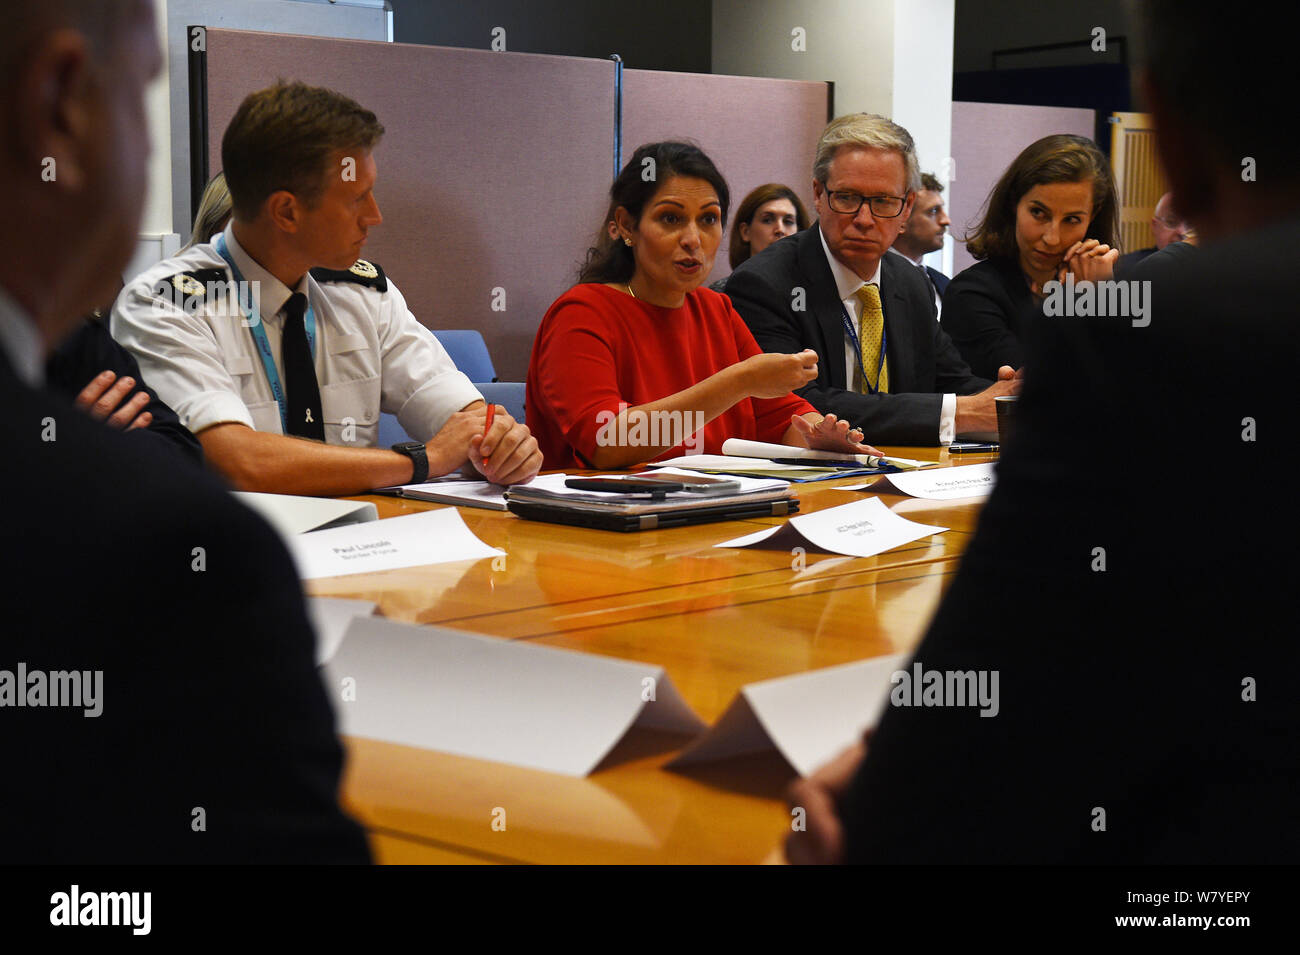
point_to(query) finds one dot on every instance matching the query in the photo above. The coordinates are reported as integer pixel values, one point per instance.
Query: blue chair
(508, 394)
(470, 353)
(391, 431)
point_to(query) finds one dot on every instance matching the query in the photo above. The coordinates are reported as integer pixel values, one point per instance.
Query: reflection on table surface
(714, 618)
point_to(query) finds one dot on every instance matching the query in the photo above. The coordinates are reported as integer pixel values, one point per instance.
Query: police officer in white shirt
(278, 347)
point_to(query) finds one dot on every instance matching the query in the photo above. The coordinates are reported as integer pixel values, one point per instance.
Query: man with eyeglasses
(885, 364)
(1166, 225)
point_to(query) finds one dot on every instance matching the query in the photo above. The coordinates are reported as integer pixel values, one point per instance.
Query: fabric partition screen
(493, 171)
(986, 137)
(755, 130)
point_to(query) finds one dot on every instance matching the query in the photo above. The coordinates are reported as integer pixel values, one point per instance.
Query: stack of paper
(551, 488)
(761, 449)
(758, 459)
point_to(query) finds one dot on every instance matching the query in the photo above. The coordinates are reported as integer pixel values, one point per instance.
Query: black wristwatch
(419, 457)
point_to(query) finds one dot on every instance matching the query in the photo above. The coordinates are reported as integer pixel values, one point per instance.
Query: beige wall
(892, 57)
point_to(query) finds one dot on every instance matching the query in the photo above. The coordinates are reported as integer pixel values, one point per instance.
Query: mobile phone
(623, 485)
(696, 483)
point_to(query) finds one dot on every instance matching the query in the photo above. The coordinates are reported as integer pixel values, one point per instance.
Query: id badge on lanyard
(255, 328)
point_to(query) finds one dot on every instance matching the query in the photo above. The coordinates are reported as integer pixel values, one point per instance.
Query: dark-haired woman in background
(637, 360)
(1053, 211)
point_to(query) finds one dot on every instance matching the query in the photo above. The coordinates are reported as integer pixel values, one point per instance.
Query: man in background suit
(1143, 631)
(923, 233)
(885, 365)
(1167, 226)
(163, 617)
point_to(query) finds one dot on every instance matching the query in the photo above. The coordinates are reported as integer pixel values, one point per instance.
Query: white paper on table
(329, 617)
(861, 529)
(509, 701)
(809, 718)
(748, 485)
(459, 493)
(761, 449)
(764, 449)
(723, 462)
(945, 484)
(292, 515)
(431, 537)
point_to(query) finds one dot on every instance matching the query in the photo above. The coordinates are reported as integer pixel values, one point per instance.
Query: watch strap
(419, 458)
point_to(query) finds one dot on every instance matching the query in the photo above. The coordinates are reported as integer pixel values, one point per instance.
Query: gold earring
(627, 241)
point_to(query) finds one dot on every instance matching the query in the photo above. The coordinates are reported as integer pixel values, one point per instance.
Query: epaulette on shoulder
(361, 273)
(195, 284)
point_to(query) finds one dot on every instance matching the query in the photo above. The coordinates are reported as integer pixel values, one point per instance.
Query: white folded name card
(945, 484)
(861, 529)
(809, 717)
(430, 537)
(489, 698)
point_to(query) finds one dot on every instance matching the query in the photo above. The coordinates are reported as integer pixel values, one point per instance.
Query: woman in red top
(638, 363)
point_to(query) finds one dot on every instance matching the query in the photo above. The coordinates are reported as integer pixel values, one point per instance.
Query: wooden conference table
(715, 619)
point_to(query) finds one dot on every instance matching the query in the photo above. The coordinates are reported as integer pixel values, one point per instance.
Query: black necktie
(302, 393)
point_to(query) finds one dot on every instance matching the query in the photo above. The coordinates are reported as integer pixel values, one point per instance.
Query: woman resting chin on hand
(638, 362)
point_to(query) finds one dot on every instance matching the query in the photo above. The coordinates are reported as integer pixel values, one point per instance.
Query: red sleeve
(575, 373)
(771, 415)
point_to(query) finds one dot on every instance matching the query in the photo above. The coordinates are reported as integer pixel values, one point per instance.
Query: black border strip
(618, 113)
(198, 70)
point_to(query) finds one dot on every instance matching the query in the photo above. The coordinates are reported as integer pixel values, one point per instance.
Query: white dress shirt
(371, 354)
(847, 283)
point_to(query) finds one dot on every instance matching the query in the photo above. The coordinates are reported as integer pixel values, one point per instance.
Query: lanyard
(259, 335)
(857, 348)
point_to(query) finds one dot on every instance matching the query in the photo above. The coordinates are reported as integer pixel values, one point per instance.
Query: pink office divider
(755, 130)
(493, 170)
(986, 137)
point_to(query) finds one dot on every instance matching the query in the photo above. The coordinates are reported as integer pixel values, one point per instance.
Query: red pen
(487, 426)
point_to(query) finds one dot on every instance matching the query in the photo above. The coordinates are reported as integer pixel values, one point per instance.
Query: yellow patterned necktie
(871, 328)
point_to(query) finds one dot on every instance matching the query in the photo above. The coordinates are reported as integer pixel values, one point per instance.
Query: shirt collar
(21, 342)
(919, 263)
(270, 293)
(847, 282)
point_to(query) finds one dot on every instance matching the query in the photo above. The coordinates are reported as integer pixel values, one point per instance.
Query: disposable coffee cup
(1006, 405)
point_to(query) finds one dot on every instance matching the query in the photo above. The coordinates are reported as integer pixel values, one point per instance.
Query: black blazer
(939, 279)
(1162, 688)
(126, 560)
(988, 310)
(923, 364)
(89, 350)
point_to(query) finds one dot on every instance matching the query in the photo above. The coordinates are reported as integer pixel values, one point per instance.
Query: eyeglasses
(882, 207)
